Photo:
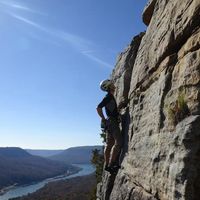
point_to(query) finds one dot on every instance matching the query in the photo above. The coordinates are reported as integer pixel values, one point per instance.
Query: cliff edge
(158, 84)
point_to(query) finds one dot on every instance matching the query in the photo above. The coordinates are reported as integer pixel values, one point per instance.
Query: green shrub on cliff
(179, 110)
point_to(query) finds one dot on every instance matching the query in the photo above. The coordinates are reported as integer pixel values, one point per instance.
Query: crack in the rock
(166, 89)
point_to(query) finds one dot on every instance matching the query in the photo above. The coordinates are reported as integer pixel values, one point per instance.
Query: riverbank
(6, 189)
(19, 191)
(16, 185)
(72, 189)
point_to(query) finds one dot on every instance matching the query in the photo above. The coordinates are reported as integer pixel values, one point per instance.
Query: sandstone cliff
(158, 84)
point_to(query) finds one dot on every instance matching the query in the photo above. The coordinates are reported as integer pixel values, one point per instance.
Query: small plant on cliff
(179, 111)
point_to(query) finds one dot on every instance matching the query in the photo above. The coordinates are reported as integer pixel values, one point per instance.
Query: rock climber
(111, 126)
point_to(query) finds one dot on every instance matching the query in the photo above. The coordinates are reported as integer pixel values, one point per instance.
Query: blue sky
(53, 55)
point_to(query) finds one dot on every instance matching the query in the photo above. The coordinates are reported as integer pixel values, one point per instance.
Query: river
(24, 190)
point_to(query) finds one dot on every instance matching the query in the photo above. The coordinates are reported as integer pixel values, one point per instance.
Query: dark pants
(113, 142)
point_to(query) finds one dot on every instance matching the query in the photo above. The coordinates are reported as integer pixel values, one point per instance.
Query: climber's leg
(116, 133)
(109, 144)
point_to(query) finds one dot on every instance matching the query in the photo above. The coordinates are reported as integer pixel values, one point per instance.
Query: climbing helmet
(105, 84)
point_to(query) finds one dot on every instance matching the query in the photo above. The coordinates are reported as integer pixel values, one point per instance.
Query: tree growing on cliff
(97, 161)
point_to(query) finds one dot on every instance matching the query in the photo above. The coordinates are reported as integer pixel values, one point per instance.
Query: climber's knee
(109, 141)
(107, 148)
(118, 141)
(117, 147)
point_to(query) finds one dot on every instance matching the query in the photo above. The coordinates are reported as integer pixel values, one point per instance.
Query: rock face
(158, 93)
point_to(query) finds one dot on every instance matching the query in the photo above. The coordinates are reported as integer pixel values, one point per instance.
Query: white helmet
(104, 85)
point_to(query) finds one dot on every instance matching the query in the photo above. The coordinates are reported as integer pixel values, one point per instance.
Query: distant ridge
(43, 153)
(76, 155)
(13, 152)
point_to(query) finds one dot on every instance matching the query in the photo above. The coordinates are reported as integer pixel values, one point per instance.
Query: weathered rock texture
(157, 77)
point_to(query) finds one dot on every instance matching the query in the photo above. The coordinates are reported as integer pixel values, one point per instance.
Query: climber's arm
(100, 113)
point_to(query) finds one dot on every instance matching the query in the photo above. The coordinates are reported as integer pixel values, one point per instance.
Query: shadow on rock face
(109, 186)
(125, 128)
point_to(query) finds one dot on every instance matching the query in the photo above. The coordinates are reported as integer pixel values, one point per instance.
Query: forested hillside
(79, 188)
(19, 167)
(76, 155)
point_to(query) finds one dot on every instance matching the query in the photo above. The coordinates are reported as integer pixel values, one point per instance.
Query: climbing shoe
(108, 169)
(112, 169)
(115, 167)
